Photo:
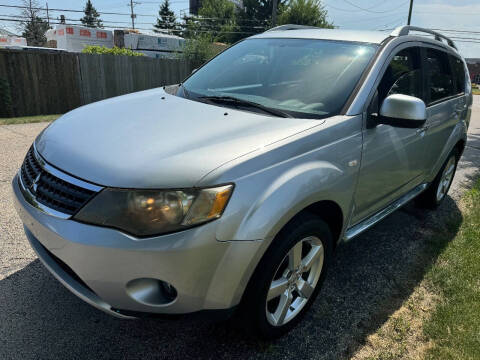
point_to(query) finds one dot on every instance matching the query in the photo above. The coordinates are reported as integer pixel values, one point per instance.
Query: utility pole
(48, 17)
(410, 12)
(132, 15)
(274, 13)
(32, 17)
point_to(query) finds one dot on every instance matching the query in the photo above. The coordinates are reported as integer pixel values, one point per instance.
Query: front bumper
(98, 263)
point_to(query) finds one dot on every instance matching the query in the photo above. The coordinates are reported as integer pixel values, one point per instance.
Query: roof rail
(405, 30)
(291, 27)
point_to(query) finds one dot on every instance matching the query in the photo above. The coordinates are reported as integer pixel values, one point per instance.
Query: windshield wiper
(245, 103)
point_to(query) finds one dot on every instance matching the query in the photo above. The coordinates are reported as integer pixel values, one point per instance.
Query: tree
(218, 17)
(92, 17)
(261, 11)
(33, 27)
(305, 12)
(166, 19)
(256, 16)
(199, 50)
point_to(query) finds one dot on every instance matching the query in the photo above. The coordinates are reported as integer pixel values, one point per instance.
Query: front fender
(290, 193)
(273, 186)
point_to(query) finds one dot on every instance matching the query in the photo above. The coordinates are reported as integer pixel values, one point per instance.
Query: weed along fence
(36, 82)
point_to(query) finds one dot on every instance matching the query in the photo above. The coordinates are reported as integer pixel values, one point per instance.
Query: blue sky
(351, 14)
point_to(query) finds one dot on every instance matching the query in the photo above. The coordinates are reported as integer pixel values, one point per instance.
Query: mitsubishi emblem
(34, 185)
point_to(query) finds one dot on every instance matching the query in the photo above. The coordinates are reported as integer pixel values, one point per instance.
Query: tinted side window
(440, 78)
(403, 75)
(458, 73)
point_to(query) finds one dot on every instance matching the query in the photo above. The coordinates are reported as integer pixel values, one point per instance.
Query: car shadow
(369, 279)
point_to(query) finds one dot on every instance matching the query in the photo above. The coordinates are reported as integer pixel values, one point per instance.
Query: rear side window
(439, 76)
(458, 73)
(403, 75)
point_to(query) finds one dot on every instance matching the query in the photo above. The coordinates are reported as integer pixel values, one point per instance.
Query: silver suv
(232, 190)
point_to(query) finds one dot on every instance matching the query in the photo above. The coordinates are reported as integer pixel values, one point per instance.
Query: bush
(95, 49)
(200, 50)
(5, 99)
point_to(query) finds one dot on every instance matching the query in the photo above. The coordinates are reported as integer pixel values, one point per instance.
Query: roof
(375, 37)
(472, 60)
(6, 32)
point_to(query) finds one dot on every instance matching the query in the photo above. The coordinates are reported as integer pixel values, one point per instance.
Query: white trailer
(8, 40)
(74, 38)
(158, 45)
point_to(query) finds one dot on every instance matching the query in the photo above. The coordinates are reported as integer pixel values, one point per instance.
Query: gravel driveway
(370, 278)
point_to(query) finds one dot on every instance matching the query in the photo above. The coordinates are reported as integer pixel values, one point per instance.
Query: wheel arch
(331, 213)
(460, 146)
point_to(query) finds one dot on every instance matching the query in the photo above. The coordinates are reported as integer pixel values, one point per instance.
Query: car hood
(151, 139)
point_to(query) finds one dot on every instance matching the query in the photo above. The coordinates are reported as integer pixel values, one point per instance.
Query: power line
(369, 9)
(126, 27)
(182, 25)
(124, 14)
(383, 17)
(458, 31)
(393, 24)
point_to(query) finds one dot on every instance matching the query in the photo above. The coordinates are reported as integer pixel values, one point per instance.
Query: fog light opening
(152, 292)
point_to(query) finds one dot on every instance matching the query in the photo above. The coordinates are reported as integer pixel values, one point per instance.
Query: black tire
(428, 199)
(253, 309)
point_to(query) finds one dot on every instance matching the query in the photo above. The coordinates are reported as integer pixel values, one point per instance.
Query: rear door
(446, 101)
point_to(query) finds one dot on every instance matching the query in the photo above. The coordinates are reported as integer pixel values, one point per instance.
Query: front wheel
(438, 189)
(288, 278)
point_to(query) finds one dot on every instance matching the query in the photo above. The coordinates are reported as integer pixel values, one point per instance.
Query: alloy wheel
(446, 179)
(295, 280)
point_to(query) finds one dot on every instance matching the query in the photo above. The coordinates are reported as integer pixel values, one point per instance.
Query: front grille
(51, 191)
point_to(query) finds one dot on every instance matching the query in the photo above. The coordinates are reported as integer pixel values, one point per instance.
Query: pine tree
(92, 17)
(166, 20)
(34, 31)
(34, 27)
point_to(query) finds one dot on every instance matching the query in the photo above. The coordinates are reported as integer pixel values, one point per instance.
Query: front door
(392, 160)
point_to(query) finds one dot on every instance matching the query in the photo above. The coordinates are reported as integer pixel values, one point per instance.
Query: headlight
(152, 212)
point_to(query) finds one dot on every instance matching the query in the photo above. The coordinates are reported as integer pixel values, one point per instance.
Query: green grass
(476, 91)
(28, 119)
(454, 325)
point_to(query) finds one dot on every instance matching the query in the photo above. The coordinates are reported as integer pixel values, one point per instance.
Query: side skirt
(372, 220)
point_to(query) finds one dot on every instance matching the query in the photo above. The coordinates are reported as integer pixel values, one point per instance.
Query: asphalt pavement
(370, 278)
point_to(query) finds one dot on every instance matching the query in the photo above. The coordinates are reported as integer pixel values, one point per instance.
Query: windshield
(301, 77)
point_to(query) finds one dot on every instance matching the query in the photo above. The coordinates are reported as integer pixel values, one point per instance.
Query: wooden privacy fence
(56, 82)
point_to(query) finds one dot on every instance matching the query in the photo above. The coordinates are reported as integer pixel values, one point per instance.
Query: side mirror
(403, 111)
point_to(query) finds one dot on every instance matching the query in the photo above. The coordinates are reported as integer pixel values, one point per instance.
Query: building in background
(474, 69)
(74, 38)
(8, 38)
(195, 5)
(158, 45)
